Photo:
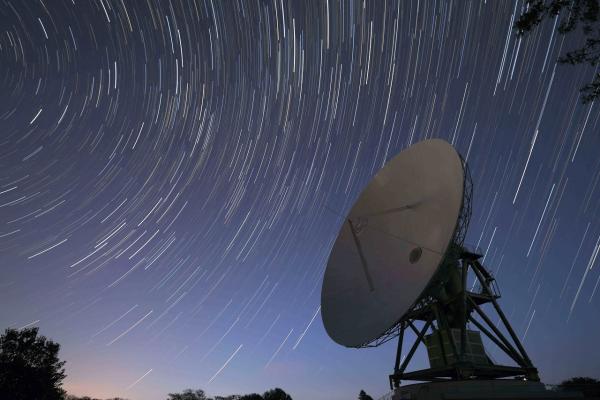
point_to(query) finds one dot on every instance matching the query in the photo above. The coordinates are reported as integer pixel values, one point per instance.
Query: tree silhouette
(577, 13)
(189, 394)
(29, 366)
(276, 394)
(252, 396)
(364, 396)
(589, 387)
(73, 397)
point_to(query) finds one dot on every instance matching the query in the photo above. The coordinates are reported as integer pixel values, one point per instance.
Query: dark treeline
(30, 369)
(72, 397)
(199, 394)
(189, 394)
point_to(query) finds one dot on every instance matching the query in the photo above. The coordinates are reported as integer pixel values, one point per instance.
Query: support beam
(499, 334)
(413, 327)
(394, 383)
(463, 314)
(515, 357)
(399, 349)
(419, 339)
(440, 327)
(511, 332)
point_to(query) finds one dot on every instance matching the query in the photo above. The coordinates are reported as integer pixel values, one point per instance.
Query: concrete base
(499, 389)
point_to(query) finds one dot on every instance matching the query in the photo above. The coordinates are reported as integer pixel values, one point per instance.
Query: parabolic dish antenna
(392, 242)
(399, 264)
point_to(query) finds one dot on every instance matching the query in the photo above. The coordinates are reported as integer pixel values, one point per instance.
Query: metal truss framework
(428, 312)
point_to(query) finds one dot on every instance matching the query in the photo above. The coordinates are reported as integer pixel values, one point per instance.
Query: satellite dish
(399, 261)
(392, 242)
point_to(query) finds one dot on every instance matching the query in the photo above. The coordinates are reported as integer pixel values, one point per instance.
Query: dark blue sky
(169, 171)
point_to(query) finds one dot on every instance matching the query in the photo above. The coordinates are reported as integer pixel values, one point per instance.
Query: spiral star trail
(173, 174)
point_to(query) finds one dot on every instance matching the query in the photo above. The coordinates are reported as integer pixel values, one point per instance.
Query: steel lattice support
(428, 311)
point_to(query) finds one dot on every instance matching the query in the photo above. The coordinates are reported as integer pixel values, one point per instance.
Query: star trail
(174, 172)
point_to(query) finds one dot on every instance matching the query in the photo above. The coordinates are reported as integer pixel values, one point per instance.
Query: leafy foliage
(72, 397)
(29, 366)
(252, 396)
(584, 14)
(30, 369)
(189, 394)
(364, 396)
(589, 387)
(276, 394)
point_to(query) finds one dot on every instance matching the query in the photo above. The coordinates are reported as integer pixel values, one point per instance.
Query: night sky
(172, 176)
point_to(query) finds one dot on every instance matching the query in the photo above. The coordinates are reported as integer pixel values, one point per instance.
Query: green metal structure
(443, 311)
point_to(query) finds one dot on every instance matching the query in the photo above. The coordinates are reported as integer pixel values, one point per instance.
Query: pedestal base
(499, 389)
